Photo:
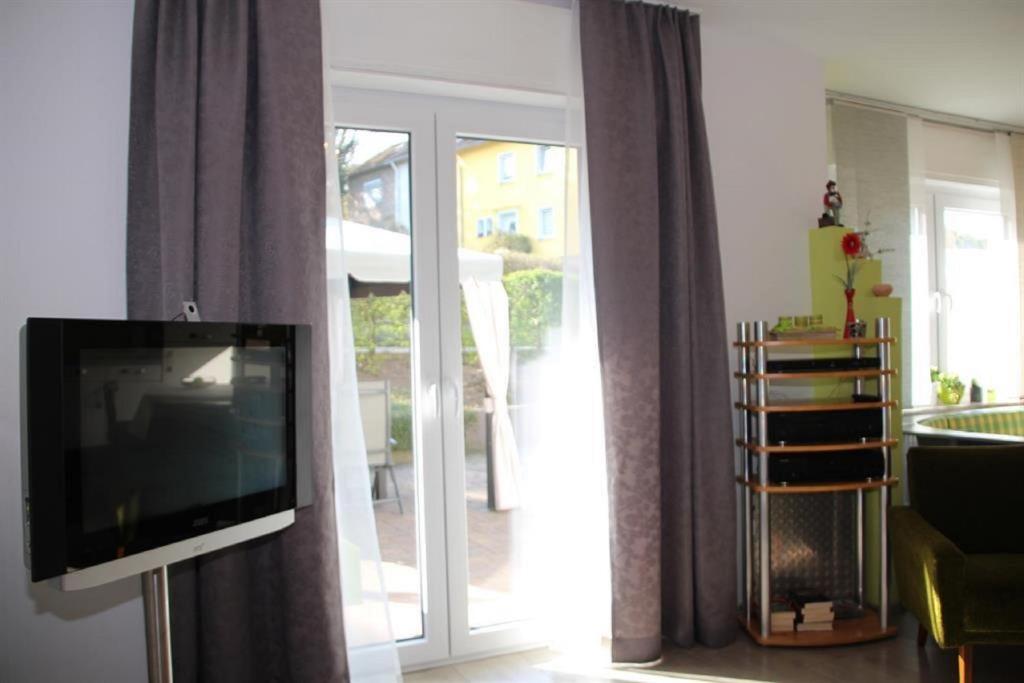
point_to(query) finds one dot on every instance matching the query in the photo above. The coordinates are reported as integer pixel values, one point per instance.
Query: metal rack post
(882, 332)
(761, 368)
(743, 394)
(860, 548)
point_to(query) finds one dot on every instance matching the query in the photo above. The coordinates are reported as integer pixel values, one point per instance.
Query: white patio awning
(378, 255)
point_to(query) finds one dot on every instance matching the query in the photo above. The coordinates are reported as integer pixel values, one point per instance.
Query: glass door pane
(374, 173)
(511, 232)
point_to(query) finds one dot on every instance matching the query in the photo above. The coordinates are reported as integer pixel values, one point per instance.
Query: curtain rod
(930, 115)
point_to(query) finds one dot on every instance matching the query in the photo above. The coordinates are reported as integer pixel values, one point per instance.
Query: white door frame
(463, 118)
(434, 124)
(383, 111)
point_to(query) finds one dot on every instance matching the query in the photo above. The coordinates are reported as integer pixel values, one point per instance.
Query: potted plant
(950, 388)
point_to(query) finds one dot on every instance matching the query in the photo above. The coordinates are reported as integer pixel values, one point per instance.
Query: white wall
(64, 82)
(765, 109)
(506, 43)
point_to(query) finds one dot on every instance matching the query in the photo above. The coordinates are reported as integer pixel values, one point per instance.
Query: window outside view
(528, 208)
(373, 169)
(979, 262)
(512, 237)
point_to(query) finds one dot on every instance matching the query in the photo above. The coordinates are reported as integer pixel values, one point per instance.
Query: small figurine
(833, 202)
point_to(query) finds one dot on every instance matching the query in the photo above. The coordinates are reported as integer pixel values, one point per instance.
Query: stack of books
(783, 616)
(814, 612)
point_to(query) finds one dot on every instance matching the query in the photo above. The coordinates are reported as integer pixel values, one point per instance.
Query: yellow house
(512, 187)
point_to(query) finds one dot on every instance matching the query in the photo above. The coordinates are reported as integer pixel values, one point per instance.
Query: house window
(506, 167)
(546, 224)
(508, 221)
(958, 264)
(545, 159)
(373, 193)
(484, 226)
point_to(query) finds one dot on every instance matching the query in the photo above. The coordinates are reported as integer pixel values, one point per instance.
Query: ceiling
(963, 57)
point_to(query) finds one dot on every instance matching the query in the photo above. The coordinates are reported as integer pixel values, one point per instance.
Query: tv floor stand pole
(158, 625)
(155, 591)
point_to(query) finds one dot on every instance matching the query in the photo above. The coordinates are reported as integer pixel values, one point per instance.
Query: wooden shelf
(805, 406)
(779, 343)
(817, 447)
(845, 632)
(832, 374)
(818, 488)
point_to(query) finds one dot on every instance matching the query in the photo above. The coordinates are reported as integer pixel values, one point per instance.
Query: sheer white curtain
(372, 655)
(1004, 167)
(1016, 144)
(569, 510)
(487, 309)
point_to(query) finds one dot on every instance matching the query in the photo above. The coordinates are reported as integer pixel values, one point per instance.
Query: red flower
(851, 244)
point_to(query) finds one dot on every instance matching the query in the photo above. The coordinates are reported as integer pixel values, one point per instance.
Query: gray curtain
(226, 207)
(661, 330)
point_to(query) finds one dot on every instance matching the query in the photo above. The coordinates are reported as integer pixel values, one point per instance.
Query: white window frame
(543, 234)
(484, 226)
(942, 194)
(502, 178)
(515, 221)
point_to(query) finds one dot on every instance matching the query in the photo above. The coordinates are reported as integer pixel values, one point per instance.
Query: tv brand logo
(201, 521)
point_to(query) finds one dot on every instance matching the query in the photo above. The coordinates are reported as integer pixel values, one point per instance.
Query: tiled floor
(897, 660)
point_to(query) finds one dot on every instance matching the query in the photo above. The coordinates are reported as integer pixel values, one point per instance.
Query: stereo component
(817, 468)
(821, 364)
(825, 426)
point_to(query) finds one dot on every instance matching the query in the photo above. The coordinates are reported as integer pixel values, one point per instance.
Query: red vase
(850, 317)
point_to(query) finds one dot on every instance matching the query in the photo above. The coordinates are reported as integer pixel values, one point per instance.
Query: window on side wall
(373, 193)
(484, 226)
(508, 221)
(958, 265)
(546, 224)
(545, 159)
(506, 167)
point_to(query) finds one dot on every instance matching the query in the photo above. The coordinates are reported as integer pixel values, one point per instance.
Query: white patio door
(473, 192)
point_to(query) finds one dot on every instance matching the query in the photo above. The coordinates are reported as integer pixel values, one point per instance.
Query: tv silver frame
(132, 565)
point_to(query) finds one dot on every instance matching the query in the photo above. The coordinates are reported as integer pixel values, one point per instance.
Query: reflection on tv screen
(163, 431)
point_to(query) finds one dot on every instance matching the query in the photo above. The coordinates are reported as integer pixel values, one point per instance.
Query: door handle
(433, 399)
(453, 392)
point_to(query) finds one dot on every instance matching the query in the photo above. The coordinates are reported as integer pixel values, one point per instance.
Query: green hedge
(535, 304)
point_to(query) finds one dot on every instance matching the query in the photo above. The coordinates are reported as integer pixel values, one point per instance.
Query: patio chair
(375, 409)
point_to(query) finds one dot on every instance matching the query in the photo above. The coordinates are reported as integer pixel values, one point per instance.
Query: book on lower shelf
(782, 615)
(783, 621)
(814, 611)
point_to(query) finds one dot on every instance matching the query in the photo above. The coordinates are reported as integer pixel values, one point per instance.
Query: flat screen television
(150, 442)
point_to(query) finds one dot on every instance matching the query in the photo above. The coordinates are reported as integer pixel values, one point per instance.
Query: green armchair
(958, 549)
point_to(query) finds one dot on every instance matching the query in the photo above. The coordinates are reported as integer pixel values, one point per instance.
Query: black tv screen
(142, 434)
